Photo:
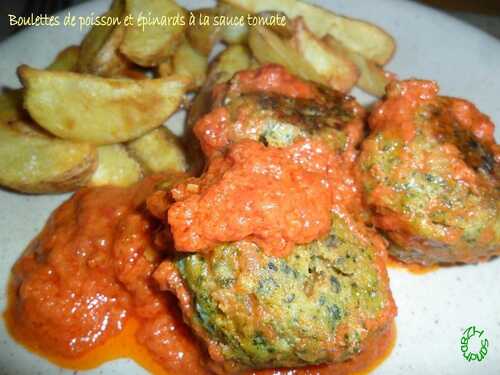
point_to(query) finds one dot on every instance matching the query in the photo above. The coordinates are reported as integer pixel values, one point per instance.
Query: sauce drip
(87, 276)
(413, 268)
(123, 345)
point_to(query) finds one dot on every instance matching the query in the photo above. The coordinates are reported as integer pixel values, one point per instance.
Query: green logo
(470, 336)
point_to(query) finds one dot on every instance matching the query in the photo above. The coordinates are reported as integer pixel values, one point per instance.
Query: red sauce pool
(125, 346)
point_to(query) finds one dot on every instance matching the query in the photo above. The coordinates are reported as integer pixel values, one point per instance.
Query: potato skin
(430, 174)
(36, 163)
(315, 306)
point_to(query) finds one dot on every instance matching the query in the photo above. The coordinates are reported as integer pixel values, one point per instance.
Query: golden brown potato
(11, 105)
(158, 151)
(11, 100)
(267, 47)
(99, 49)
(190, 63)
(333, 66)
(115, 167)
(230, 61)
(165, 68)
(35, 163)
(373, 78)
(363, 37)
(203, 37)
(237, 32)
(304, 55)
(148, 44)
(99, 110)
(66, 60)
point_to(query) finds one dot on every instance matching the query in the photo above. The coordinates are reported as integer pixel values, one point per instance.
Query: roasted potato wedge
(267, 47)
(230, 61)
(11, 105)
(373, 78)
(66, 60)
(99, 49)
(35, 163)
(149, 44)
(237, 32)
(203, 37)
(363, 37)
(158, 151)
(304, 55)
(165, 68)
(11, 100)
(115, 167)
(190, 63)
(98, 110)
(334, 66)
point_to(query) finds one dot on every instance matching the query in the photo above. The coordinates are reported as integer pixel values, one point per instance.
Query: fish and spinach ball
(276, 108)
(278, 152)
(272, 106)
(430, 170)
(317, 305)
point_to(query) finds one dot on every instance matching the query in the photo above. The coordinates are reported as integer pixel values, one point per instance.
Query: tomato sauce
(87, 276)
(413, 268)
(125, 345)
(213, 131)
(404, 98)
(397, 113)
(274, 197)
(276, 79)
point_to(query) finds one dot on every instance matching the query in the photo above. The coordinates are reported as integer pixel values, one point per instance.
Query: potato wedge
(190, 63)
(158, 151)
(66, 60)
(35, 163)
(148, 44)
(373, 79)
(334, 67)
(267, 47)
(115, 167)
(230, 61)
(363, 37)
(203, 37)
(99, 49)
(108, 61)
(98, 110)
(11, 105)
(11, 100)
(237, 32)
(165, 68)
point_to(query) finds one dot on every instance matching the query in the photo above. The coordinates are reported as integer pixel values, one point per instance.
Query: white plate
(435, 308)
